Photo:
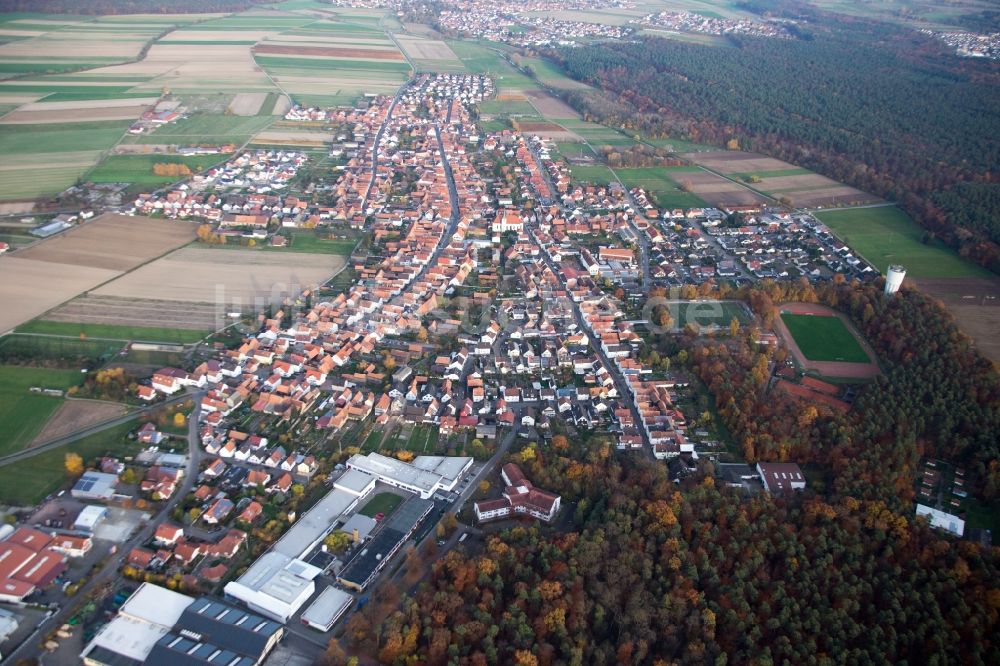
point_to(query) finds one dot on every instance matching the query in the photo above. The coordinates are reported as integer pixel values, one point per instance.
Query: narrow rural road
(109, 572)
(97, 427)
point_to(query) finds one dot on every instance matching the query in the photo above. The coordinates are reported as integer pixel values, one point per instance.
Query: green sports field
(886, 235)
(824, 338)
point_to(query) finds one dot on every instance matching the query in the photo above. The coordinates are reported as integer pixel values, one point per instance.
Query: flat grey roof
(450, 467)
(329, 604)
(355, 480)
(314, 524)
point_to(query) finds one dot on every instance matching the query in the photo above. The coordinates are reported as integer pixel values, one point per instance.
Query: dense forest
(651, 574)
(644, 571)
(882, 108)
(938, 396)
(115, 7)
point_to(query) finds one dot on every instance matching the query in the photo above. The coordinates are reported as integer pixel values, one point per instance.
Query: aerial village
(489, 311)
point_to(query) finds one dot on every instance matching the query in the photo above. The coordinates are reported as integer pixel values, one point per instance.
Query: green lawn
(381, 503)
(139, 168)
(663, 183)
(26, 483)
(208, 128)
(597, 174)
(140, 333)
(509, 107)
(886, 235)
(308, 241)
(22, 413)
(824, 338)
(708, 313)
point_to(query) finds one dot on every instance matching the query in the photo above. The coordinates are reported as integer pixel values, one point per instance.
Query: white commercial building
(146, 617)
(278, 584)
(355, 482)
(89, 518)
(329, 607)
(942, 520)
(424, 477)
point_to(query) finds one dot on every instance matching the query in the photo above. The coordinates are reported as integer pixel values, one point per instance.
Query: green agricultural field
(384, 503)
(139, 168)
(597, 174)
(331, 64)
(22, 413)
(507, 108)
(61, 352)
(59, 138)
(111, 332)
(824, 338)
(663, 184)
(27, 482)
(886, 235)
(208, 128)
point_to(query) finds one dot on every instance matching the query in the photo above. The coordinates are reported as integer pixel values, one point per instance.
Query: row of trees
(872, 105)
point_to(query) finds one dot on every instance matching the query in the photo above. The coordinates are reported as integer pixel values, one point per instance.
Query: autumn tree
(74, 464)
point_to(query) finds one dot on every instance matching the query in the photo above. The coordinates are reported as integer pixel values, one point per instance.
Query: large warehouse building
(362, 570)
(425, 476)
(279, 583)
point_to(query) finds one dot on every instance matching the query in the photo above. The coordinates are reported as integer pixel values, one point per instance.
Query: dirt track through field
(74, 415)
(825, 368)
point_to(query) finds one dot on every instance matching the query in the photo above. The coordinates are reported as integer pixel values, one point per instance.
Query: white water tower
(893, 279)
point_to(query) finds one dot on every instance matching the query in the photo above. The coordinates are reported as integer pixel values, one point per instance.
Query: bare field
(74, 415)
(112, 242)
(975, 304)
(139, 312)
(549, 106)
(807, 181)
(217, 275)
(427, 49)
(247, 104)
(28, 287)
(717, 191)
(21, 117)
(16, 207)
(732, 161)
(293, 137)
(833, 196)
(281, 105)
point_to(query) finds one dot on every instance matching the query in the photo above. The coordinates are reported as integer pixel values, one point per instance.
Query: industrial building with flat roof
(329, 607)
(279, 583)
(276, 585)
(362, 570)
(95, 486)
(425, 476)
(146, 617)
(212, 632)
